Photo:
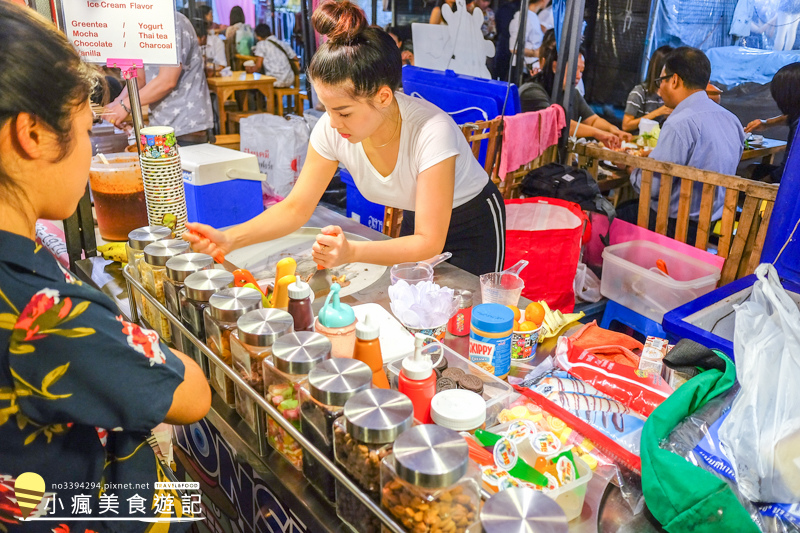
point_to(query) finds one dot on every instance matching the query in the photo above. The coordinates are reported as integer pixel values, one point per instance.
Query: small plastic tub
(570, 496)
(524, 344)
(631, 278)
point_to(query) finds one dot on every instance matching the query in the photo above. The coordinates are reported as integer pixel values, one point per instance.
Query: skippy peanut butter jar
(490, 338)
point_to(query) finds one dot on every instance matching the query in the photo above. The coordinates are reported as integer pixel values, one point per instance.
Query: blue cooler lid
(492, 318)
(785, 215)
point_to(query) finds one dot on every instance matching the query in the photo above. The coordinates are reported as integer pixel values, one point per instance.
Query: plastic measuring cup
(417, 272)
(503, 287)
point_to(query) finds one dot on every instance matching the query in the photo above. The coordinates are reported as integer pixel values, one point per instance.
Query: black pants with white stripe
(477, 234)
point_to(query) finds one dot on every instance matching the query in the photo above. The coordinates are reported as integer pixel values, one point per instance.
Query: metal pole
(374, 11)
(568, 54)
(519, 56)
(394, 12)
(132, 83)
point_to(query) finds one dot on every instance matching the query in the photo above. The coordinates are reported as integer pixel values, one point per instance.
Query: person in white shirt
(546, 17)
(211, 45)
(533, 32)
(273, 57)
(401, 151)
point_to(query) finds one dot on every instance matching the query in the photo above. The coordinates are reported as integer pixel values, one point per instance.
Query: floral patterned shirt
(80, 390)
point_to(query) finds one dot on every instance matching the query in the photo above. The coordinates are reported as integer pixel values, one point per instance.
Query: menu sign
(143, 29)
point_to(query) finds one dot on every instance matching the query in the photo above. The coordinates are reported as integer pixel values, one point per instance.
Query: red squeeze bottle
(418, 381)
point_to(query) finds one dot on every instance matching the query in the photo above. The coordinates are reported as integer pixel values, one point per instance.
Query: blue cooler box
(709, 319)
(359, 208)
(222, 186)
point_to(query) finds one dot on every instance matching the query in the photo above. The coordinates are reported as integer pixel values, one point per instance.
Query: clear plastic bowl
(411, 273)
(501, 288)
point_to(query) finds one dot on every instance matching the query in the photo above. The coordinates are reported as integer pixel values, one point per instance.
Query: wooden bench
(741, 245)
(293, 92)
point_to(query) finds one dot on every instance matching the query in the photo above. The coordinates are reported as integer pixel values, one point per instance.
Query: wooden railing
(740, 244)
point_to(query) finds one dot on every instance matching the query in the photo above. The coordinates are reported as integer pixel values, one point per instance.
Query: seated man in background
(274, 56)
(536, 94)
(699, 133)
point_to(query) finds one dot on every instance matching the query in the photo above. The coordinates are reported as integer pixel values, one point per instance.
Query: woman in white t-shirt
(401, 151)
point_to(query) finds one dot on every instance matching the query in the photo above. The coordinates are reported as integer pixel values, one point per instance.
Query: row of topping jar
(362, 437)
(429, 484)
(251, 343)
(294, 355)
(224, 309)
(197, 290)
(179, 268)
(138, 239)
(153, 272)
(330, 385)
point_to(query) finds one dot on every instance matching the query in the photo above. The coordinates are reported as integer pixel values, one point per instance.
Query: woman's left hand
(332, 248)
(116, 114)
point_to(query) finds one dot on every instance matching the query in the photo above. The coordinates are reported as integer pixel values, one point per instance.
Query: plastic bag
(280, 146)
(586, 284)
(762, 434)
(641, 392)
(696, 439)
(547, 232)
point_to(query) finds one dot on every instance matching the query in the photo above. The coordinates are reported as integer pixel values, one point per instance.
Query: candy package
(609, 416)
(640, 391)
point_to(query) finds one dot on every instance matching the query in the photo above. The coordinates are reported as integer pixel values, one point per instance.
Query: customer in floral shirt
(80, 388)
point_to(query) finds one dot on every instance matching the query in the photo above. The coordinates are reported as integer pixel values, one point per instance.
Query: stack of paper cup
(163, 178)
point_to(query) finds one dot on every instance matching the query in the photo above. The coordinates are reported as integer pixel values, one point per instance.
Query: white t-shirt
(533, 35)
(427, 136)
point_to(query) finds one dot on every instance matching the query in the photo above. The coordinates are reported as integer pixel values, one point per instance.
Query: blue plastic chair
(619, 313)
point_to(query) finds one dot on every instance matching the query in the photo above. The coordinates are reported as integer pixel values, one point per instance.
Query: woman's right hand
(754, 125)
(207, 240)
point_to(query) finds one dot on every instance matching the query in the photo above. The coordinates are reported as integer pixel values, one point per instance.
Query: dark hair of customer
(402, 33)
(785, 89)
(691, 65)
(41, 75)
(656, 65)
(205, 10)
(548, 43)
(354, 54)
(200, 28)
(263, 31)
(546, 77)
(237, 15)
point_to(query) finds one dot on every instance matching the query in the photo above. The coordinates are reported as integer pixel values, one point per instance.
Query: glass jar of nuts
(330, 385)
(363, 437)
(224, 309)
(251, 343)
(429, 483)
(153, 272)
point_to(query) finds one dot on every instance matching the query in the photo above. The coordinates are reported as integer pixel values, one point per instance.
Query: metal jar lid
(181, 266)
(202, 285)
(523, 510)
(141, 237)
(298, 353)
(262, 327)
(335, 381)
(378, 415)
(157, 253)
(431, 456)
(229, 304)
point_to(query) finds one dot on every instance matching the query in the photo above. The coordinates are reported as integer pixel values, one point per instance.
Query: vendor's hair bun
(341, 21)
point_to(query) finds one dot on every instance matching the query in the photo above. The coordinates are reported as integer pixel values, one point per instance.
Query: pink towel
(527, 135)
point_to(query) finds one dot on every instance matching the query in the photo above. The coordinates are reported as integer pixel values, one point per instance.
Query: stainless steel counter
(602, 500)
